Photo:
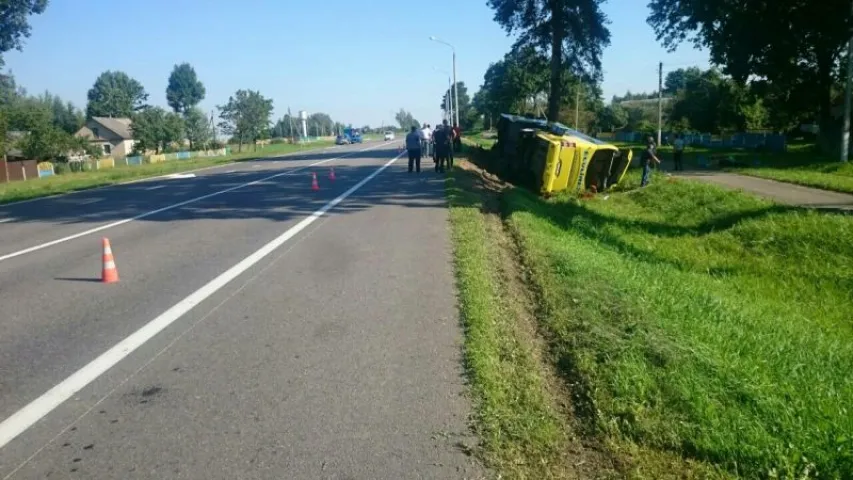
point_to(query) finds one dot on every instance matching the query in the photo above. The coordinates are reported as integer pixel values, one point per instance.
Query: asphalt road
(259, 330)
(786, 193)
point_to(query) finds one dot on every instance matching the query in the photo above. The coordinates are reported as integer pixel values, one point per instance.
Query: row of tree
(553, 70)
(45, 124)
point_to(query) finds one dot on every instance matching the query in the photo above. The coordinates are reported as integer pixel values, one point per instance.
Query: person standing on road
(649, 156)
(413, 145)
(678, 152)
(443, 147)
(426, 138)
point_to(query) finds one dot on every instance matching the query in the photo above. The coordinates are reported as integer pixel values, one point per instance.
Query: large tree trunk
(557, 32)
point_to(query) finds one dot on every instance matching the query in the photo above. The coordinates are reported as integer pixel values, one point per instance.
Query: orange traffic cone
(314, 185)
(332, 174)
(109, 273)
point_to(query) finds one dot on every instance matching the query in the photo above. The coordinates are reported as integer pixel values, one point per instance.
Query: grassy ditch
(698, 332)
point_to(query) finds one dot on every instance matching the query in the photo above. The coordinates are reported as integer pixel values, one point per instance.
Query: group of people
(439, 144)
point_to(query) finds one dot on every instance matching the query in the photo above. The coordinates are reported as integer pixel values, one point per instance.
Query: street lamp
(448, 103)
(455, 91)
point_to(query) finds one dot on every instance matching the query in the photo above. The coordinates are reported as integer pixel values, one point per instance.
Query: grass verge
(694, 332)
(70, 182)
(703, 324)
(525, 431)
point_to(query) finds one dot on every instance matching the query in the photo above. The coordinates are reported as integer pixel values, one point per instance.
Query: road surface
(781, 192)
(259, 331)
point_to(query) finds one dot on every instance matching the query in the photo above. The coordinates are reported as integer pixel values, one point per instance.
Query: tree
(185, 90)
(677, 79)
(406, 120)
(245, 116)
(465, 108)
(574, 31)
(320, 124)
(807, 39)
(14, 27)
(115, 94)
(154, 129)
(613, 117)
(517, 84)
(197, 128)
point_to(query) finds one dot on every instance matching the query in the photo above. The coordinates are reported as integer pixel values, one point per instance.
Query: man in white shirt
(426, 139)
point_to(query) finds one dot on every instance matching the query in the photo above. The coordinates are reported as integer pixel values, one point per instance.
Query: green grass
(483, 139)
(700, 323)
(522, 436)
(69, 182)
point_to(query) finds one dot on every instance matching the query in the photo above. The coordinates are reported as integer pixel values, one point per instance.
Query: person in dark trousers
(649, 156)
(457, 139)
(443, 138)
(678, 152)
(413, 145)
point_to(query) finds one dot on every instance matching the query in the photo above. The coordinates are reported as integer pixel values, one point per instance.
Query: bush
(278, 140)
(75, 166)
(60, 168)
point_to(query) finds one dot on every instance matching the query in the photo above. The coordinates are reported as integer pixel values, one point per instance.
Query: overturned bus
(550, 157)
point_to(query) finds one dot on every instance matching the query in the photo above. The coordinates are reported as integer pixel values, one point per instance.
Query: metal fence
(774, 142)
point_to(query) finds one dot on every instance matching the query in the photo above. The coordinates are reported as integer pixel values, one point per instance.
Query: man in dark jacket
(413, 145)
(649, 156)
(442, 140)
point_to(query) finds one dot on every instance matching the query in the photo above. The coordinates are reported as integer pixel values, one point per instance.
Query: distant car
(389, 136)
(341, 140)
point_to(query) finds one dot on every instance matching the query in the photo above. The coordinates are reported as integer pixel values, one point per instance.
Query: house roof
(120, 126)
(86, 132)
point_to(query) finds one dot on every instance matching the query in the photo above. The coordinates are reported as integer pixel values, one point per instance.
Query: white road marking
(156, 187)
(6, 220)
(87, 202)
(176, 176)
(165, 209)
(140, 180)
(26, 417)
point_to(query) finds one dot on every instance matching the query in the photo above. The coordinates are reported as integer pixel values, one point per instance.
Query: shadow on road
(276, 199)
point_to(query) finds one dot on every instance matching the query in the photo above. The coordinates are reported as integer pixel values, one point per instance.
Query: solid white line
(164, 209)
(26, 417)
(155, 187)
(5, 220)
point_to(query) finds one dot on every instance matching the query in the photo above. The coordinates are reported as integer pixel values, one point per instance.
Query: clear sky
(358, 61)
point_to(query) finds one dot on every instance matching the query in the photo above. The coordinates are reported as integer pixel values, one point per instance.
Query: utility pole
(660, 101)
(577, 103)
(212, 126)
(845, 134)
(450, 101)
(455, 86)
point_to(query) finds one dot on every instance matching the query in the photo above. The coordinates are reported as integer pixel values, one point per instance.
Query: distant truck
(353, 135)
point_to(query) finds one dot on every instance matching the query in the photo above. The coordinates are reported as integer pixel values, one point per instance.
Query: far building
(113, 135)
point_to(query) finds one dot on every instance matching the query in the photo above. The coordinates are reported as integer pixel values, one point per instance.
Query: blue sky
(357, 61)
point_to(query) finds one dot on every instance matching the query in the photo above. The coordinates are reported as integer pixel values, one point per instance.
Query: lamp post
(448, 102)
(455, 91)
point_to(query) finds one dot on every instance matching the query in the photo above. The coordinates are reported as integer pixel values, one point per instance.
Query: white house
(114, 135)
